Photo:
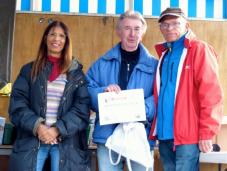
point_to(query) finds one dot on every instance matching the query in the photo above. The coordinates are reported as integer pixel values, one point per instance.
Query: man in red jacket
(188, 94)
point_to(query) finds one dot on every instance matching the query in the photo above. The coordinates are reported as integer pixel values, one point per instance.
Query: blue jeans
(46, 150)
(185, 157)
(104, 161)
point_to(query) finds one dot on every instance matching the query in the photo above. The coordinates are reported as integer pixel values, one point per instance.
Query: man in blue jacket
(128, 65)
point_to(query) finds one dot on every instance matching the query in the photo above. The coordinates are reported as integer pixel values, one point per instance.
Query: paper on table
(126, 106)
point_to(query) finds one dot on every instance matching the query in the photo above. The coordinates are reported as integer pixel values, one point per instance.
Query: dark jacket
(28, 104)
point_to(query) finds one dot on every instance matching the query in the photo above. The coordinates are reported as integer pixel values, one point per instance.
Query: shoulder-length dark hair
(66, 54)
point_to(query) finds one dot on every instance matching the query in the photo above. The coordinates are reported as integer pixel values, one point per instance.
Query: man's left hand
(205, 146)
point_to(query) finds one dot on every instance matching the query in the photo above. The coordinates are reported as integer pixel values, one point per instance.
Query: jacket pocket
(23, 157)
(80, 156)
(77, 158)
(25, 144)
(22, 161)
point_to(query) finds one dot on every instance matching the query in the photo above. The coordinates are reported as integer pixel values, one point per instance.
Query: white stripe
(74, 6)
(36, 5)
(165, 4)
(127, 5)
(201, 6)
(158, 76)
(184, 6)
(147, 7)
(155, 128)
(18, 5)
(131, 4)
(110, 6)
(92, 6)
(179, 71)
(55, 5)
(218, 9)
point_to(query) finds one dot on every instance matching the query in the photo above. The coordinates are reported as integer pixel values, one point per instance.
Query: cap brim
(169, 14)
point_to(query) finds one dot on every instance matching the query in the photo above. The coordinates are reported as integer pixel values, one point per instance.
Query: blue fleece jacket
(166, 97)
(105, 71)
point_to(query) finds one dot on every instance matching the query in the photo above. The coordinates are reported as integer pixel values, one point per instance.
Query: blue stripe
(174, 3)
(156, 7)
(25, 5)
(101, 7)
(120, 6)
(191, 8)
(224, 9)
(65, 5)
(138, 6)
(209, 8)
(83, 7)
(46, 5)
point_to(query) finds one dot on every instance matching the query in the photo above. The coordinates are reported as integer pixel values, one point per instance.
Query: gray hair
(132, 15)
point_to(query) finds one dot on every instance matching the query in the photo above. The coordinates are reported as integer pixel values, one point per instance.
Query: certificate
(125, 106)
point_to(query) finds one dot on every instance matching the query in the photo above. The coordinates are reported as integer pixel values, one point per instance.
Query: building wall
(92, 36)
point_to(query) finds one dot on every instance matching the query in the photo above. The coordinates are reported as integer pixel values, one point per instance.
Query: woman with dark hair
(49, 107)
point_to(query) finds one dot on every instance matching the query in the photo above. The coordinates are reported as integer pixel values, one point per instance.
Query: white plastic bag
(130, 140)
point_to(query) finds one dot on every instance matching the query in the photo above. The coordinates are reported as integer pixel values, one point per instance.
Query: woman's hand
(47, 135)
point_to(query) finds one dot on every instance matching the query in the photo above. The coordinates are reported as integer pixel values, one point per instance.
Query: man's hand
(113, 88)
(205, 146)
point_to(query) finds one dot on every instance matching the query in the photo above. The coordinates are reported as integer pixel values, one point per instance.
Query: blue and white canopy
(201, 9)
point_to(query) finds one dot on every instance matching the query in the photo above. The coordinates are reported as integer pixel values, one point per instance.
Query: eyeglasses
(165, 26)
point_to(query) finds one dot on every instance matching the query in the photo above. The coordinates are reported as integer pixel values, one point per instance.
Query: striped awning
(201, 9)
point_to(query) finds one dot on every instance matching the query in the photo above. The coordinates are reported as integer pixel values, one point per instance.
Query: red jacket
(198, 107)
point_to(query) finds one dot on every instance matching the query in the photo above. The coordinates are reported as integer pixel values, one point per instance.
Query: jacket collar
(74, 65)
(115, 53)
(160, 47)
